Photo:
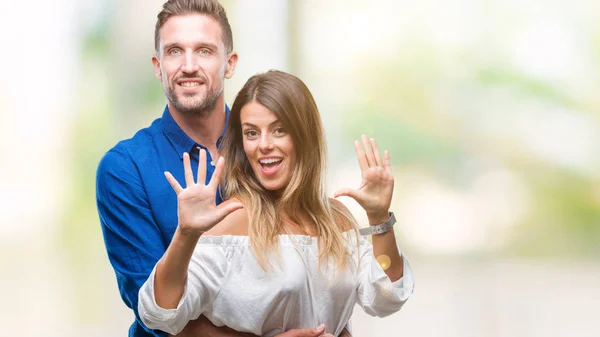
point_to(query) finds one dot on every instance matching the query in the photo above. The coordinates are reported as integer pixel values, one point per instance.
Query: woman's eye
(251, 133)
(279, 131)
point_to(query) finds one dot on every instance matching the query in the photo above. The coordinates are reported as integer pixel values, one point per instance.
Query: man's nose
(190, 65)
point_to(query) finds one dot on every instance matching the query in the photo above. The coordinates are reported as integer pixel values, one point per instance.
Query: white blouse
(226, 284)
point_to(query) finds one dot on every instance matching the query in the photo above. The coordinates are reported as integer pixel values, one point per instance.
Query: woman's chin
(273, 187)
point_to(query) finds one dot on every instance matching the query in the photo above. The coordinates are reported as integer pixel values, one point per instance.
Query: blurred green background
(490, 110)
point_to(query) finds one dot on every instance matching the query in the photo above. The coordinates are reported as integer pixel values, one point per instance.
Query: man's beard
(194, 105)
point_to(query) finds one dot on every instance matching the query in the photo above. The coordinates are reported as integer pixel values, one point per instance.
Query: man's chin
(194, 108)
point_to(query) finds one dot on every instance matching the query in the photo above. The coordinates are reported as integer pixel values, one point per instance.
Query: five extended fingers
(201, 176)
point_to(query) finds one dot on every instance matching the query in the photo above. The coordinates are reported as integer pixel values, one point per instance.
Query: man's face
(192, 63)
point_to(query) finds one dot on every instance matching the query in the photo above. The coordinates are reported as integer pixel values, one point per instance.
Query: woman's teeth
(270, 160)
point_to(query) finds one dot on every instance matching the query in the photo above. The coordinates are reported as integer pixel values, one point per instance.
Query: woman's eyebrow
(254, 126)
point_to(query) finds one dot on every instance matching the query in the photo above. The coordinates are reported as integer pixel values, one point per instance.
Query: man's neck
(204, 130)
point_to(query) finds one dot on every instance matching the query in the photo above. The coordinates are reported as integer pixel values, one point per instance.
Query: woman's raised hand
(196, 203)
(377, 187)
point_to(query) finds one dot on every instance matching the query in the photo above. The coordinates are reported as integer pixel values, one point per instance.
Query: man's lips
(190, 82)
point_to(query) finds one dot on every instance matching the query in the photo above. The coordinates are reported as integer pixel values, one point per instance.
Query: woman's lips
(270, 168)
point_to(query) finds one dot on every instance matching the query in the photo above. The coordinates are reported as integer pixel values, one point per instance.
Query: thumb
(346, 192)
(224, 210)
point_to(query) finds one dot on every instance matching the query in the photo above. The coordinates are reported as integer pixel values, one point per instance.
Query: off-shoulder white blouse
(226, 284)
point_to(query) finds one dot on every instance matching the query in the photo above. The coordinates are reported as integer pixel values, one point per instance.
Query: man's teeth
(270, 160)
(190, 84)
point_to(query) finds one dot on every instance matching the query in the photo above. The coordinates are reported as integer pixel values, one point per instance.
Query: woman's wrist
(378, 217)
(187, 234)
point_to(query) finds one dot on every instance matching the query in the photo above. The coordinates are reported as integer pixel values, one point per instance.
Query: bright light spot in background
(384, 261)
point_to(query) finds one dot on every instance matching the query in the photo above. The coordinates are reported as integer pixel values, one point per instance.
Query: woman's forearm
(384, 245)
(172, 269)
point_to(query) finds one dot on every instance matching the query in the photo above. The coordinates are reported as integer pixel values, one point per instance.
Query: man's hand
(345, 333)
(315, 332)
(197, 210)
(202, 327)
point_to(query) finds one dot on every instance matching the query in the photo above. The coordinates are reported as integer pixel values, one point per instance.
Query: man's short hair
(210, 8)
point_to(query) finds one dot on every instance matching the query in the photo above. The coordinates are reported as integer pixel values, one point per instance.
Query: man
(137, 207)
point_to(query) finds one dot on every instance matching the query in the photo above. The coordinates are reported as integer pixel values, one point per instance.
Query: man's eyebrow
(170, 45)
(199, 45)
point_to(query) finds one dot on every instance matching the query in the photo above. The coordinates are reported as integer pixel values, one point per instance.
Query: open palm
(196, 203)
(377, 187)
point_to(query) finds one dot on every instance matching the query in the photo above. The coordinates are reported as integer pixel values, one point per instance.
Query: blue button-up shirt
(138, 207)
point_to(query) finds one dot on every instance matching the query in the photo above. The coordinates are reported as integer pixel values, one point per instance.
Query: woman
(278, 254)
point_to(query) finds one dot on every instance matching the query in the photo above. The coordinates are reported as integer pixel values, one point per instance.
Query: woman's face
(268, 146)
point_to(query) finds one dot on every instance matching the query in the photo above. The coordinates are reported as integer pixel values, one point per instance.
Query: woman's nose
(266, 143)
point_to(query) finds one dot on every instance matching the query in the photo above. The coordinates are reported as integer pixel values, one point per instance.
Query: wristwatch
(381, 228)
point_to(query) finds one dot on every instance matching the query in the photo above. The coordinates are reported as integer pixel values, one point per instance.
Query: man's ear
(156, 63)
(232, 59)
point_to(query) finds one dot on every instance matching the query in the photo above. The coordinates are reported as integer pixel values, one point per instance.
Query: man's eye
(204, 51)
(174, 52)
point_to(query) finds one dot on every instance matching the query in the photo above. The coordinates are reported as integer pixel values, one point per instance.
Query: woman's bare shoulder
(342, 215)
(236, 223)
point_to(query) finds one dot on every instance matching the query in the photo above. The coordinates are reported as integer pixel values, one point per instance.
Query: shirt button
(212, 163)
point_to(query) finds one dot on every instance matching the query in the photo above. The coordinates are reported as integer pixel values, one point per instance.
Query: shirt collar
(180, 141)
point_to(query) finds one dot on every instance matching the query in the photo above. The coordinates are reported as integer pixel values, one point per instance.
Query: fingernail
(320, 327)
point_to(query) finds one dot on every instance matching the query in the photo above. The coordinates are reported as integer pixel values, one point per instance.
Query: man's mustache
(194, 76)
